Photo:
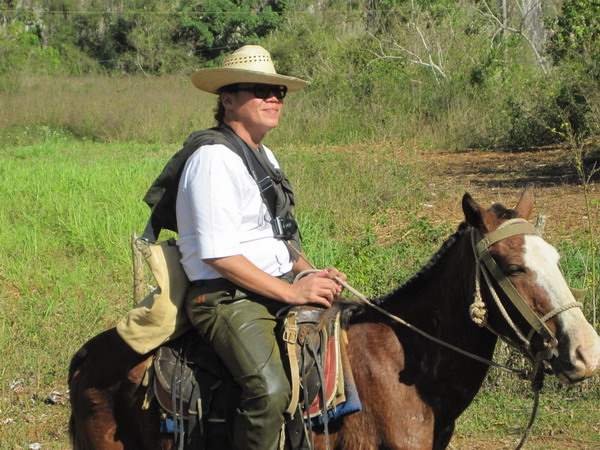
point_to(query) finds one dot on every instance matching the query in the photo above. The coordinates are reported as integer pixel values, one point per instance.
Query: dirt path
(501, 176)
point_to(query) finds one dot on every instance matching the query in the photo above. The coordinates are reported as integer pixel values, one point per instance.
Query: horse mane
(428, 270)
(351, 308)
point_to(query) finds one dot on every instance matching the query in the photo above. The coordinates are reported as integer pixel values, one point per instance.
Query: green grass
(498, 421)
(69, 208)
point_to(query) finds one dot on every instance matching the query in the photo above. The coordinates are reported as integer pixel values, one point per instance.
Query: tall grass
(335, 110)
(98, 108)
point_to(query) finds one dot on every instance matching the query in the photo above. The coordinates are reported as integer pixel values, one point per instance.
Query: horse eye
(515, 269)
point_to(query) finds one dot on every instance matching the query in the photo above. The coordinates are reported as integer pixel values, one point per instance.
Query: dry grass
(112, 109)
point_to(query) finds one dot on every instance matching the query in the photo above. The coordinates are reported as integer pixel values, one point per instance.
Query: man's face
(254, 113)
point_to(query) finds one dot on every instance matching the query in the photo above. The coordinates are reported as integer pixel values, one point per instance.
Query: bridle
(478, 310)
(490, 268)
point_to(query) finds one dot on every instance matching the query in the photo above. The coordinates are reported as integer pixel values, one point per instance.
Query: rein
(523, 374)
(535, 376)
(478, 310)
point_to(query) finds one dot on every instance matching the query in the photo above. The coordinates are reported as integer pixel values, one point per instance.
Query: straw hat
(248, 64)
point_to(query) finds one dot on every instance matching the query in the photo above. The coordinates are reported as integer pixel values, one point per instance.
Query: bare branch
(411, 56)
(503, 26)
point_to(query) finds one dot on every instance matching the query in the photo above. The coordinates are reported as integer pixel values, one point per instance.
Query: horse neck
(444, 287)
(437, 301)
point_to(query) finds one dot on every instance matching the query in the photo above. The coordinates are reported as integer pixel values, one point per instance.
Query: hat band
(250, 59)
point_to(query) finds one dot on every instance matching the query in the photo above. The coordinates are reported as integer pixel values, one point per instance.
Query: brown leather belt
(224, 284)
(216, 283)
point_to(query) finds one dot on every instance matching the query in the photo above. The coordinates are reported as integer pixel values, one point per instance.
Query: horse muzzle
(577, 362)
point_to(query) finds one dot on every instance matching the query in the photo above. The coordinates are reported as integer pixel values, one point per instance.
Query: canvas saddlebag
(161, 316)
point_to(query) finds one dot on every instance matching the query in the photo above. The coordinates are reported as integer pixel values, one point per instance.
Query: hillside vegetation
(437, 73)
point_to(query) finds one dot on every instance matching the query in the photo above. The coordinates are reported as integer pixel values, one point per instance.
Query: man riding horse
(237, 246)
(238, 251)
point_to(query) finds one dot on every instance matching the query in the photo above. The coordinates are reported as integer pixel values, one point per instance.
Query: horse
(412, 388)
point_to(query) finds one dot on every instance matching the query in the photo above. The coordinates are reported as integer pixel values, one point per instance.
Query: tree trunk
(532, 14)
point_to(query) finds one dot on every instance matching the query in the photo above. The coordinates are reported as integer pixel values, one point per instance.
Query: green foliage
(213, 26)
(576, 32)
(574, 46)
(20, 46)
(437, 73)
(149, 37)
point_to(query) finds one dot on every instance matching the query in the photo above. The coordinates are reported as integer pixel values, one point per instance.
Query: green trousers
(240, 326)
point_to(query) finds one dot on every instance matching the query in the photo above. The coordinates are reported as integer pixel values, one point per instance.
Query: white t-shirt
(220, 213)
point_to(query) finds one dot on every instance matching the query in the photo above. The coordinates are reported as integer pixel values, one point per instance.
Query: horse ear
(473, 212)
(525, 204)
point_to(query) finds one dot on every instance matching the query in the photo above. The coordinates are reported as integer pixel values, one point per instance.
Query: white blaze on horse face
(579, 344)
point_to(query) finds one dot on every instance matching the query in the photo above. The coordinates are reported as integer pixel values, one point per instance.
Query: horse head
(544, 320)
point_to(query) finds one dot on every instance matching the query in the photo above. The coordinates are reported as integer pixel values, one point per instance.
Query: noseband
(478, 309)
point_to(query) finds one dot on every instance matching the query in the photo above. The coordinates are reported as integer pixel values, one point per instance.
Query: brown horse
(412, 389)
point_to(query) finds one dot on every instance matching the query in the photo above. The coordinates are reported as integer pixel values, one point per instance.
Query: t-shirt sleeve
(213, 187)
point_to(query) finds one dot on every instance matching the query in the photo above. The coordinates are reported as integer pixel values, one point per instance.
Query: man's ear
(227, 100)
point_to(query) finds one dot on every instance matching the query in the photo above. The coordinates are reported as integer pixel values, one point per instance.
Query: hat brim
(211, 80)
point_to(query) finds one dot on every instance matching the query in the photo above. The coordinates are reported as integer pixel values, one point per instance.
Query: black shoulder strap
(264, 174)
(257, 169)
(162, 194)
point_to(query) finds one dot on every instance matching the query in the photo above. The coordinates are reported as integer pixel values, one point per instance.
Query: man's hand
(319, 288)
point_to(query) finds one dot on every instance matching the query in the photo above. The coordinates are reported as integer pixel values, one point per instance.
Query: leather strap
(482, 250)
(290, 337)
(259, 167)
(256, 169)
(323, 390)
(518, 228)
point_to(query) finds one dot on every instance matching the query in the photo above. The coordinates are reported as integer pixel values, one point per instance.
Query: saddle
(192, 385)
(314, 360)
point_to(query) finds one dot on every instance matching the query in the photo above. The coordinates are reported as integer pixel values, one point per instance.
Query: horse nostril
(585, 361)
(580, 356)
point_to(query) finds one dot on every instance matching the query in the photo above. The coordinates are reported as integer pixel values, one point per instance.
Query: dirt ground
(501, 176)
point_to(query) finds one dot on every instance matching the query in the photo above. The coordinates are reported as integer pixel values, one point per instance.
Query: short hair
(219, 112)
(220, 109)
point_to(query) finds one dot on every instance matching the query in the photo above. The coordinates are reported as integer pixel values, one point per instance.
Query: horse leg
(443, 433)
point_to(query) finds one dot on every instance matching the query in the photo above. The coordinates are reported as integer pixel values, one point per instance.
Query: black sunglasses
(264, 91)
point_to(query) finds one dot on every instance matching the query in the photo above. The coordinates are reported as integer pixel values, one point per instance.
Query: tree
(574, 47)
(216, 26)
(141, 36)
(575, 32)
